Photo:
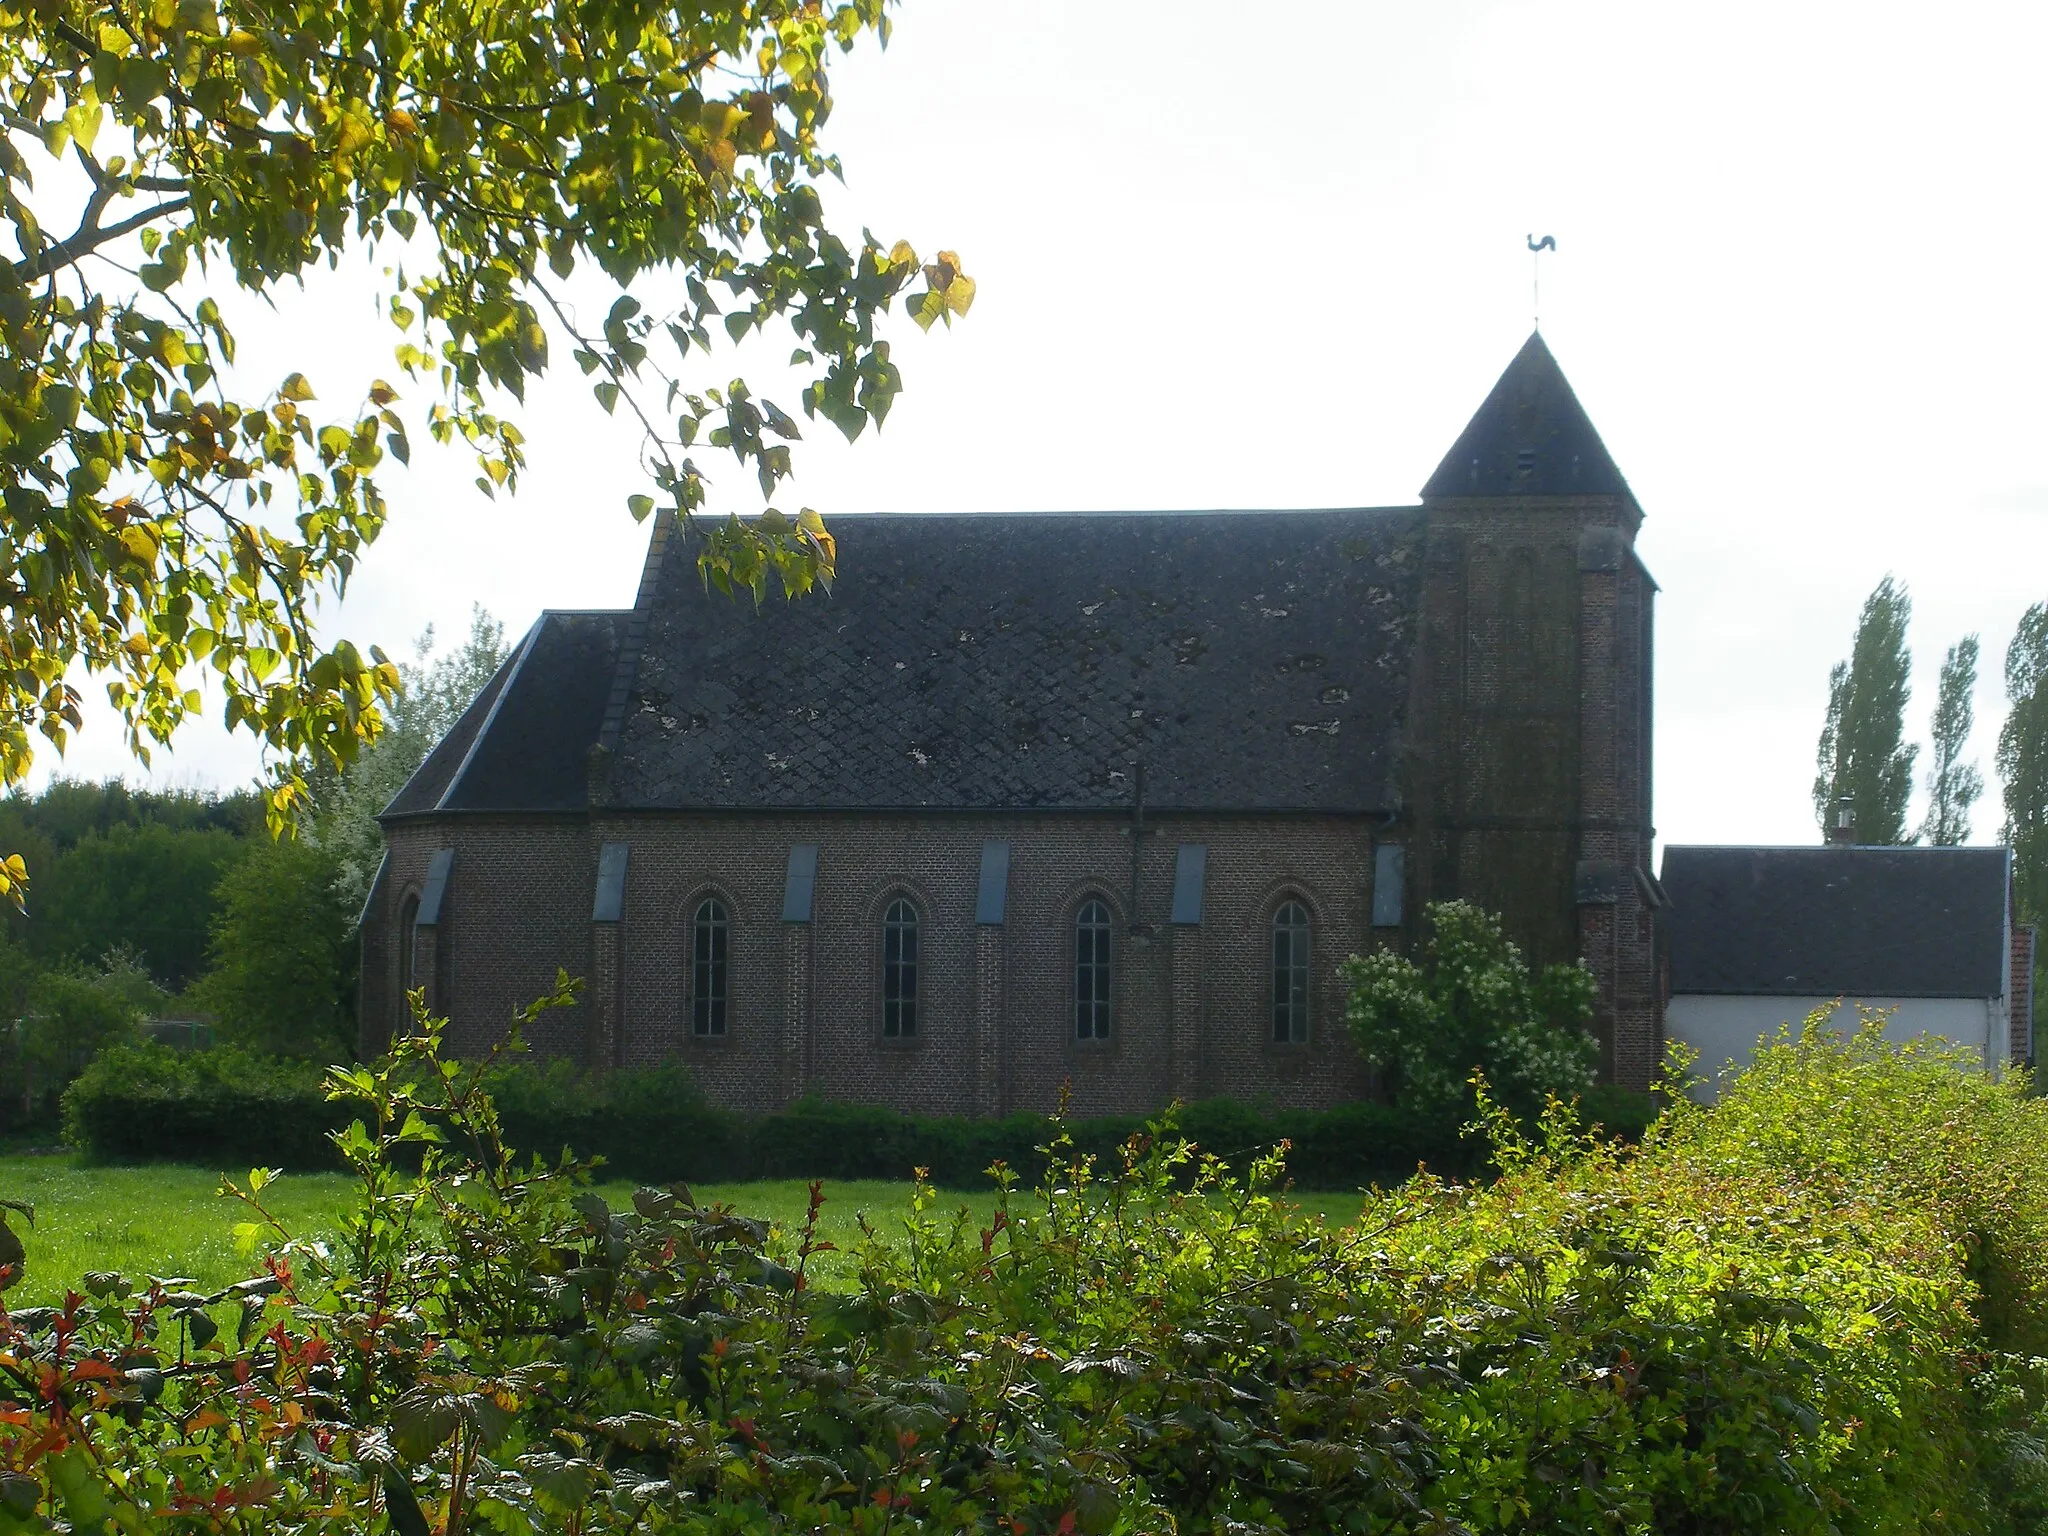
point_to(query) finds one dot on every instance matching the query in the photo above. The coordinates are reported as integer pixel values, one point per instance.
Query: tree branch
(91, 236)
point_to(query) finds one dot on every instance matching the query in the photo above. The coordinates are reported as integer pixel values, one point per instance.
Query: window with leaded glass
(710, 936)
(408, 941)
(1290, 973)
(1092, 938)
(899, 970)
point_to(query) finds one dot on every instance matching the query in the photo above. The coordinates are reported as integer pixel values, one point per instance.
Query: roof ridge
(627, 670)
(1837, 848)
(505, 690)
(997, 514)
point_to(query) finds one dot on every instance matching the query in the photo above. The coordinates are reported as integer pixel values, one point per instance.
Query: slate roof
(1253, 660)
(1838, 921)
(1530, 438)
(524, 744)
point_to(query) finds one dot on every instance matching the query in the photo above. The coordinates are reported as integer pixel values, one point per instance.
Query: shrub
(60, 1020)
(231, 1107)
(1471, 1006)
(1773, 1318)
(224, 1106)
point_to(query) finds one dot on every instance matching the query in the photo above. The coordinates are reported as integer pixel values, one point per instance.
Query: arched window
(408, 933)
(708, 940)
(899, 970)
(1290, 973)
(1091, 971)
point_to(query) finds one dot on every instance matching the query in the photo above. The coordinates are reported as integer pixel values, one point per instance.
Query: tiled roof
(1253, 660)
(1530, 438)
(1837, 921)
(429, 782)
(524, 744)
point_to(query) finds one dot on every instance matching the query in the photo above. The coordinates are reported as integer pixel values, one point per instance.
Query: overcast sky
(1798, 287)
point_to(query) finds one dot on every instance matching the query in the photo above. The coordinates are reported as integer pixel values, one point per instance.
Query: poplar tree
(2023, 761)
(1863, 756)
(1954, 785)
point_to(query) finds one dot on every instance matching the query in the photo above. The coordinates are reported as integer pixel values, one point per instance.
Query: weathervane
(1536, 250)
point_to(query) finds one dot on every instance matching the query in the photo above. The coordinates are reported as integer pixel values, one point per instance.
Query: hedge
(1820, 1309)
(146, 1103)
(233, 1108)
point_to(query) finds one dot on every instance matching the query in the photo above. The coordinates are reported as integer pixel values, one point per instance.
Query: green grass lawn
(167, 1219)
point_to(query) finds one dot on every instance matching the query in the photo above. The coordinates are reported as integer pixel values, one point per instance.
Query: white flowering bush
(1469, 1007)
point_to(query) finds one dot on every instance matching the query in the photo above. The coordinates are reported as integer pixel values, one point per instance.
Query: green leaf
(84, 1495)
(202, 1328)
(404, 1505)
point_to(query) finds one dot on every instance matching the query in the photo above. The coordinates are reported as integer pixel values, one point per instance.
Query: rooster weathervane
(1536, 250)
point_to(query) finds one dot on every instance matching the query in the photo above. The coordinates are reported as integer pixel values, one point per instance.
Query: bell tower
(1528, 762)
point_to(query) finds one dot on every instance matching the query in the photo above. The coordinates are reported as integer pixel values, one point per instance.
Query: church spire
(1530, 438)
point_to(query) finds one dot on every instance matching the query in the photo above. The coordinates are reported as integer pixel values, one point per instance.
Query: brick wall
(1528, 765)
(517, 906)
(1191, 1004)
(1525, 777)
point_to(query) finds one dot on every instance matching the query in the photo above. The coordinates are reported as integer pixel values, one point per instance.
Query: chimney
(1843, 829)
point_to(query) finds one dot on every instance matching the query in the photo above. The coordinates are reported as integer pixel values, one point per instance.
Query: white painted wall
(1725, 1030)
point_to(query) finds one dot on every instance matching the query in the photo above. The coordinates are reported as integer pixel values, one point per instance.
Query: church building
(1032, 803)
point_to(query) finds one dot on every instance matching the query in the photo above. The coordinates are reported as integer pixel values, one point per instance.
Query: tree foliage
(149, 887)
(55, 1020)
(433, 692)
(168, 520)
(2023, 761)
(119, 867)
(1864, 757)
(282, 962)
(1953, 786)
(1471, 1006)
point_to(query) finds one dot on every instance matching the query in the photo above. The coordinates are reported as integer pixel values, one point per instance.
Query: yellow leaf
(244, 43)
(350, 134)
(295, 387)
(721, 117)
(960, 294)
(901, 255)
(808, 522)
(382, 393)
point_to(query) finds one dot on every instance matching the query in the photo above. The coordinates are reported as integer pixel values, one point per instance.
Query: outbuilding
(1761, 937)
